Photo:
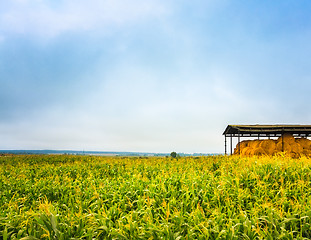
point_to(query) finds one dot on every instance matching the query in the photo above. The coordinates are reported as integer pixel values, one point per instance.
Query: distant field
(92, 197)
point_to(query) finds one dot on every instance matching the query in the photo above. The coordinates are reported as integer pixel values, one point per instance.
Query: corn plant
(216, 197)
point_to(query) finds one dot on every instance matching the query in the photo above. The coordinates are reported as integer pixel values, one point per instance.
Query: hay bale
(255, 143)
(306, 152)
(236, 150)
(259, 151)
(269, 146)
(296, 148)
(304, 142)
(287, 137)
(241, 145)
(286, 147)
(247, 151)
(251, 152)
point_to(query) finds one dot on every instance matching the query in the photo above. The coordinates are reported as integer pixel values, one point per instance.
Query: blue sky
(149, 75)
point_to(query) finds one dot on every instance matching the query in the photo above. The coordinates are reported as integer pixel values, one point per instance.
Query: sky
(149, 75)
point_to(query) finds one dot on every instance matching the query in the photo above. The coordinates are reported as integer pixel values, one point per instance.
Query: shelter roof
(267, 129)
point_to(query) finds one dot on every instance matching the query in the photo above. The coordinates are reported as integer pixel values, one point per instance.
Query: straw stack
(269, 146)
(295, 147)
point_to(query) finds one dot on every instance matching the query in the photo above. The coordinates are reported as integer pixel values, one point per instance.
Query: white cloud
(42, 19)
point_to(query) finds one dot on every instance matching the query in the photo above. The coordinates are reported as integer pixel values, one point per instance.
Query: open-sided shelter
(238, 131)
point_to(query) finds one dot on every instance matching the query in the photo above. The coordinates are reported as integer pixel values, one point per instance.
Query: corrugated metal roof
(267, 129)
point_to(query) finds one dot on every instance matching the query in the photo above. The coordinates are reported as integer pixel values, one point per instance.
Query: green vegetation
(87, 197)
(173, 154)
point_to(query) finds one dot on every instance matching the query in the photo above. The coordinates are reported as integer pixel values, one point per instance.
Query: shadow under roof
(267, 130)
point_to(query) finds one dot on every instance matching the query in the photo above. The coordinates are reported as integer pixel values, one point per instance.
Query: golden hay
(247, 151)
(296, 148)
(304, 142)
(269, 146)
(241, 145)
(255, 143)
(306, 152)
(285, 148)
(287, 137)
(236, 150)
(290, 145)
(259, 151)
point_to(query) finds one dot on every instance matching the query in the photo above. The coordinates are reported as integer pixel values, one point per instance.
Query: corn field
(216, 197)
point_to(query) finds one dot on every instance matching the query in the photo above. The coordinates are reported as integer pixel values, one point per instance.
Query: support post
(225, 144)
(282, 141)
(239, 143)
(231, 144)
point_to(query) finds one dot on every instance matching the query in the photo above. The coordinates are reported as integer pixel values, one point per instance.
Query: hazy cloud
(49, 19)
